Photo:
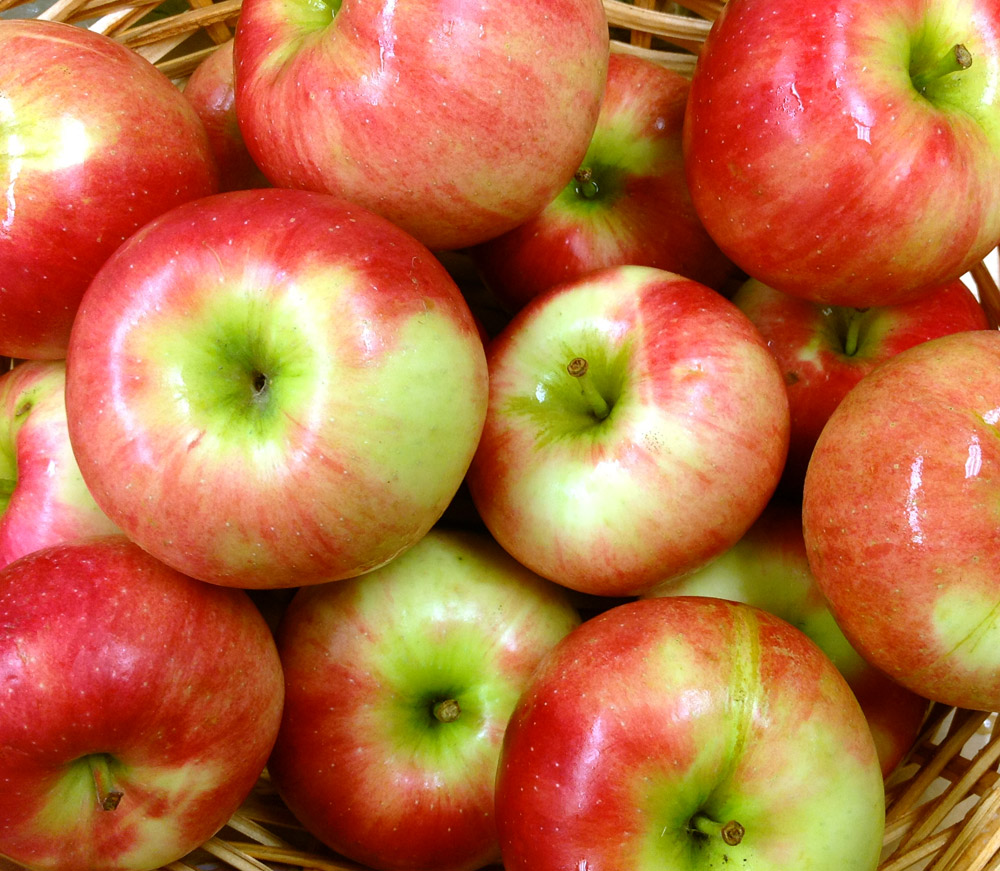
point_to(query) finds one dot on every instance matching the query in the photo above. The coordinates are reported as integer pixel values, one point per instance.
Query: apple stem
(851, 340)
(108, 796)
(731, 832)
(586, 187)
(957, 58)
(579, 369)
(446, 711)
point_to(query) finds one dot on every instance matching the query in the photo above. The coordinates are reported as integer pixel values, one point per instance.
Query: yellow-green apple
(628, 203)
(688, 733)
(400, 685)
(43, 500)
(825, 350)
(457, 121)
(900, 518)
(94, 142)
(637, 425)
(210, 90)
(273, 388)
(768, 568)
(849, 155)
(138, 710)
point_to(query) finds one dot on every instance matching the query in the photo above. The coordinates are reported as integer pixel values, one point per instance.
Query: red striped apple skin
(661, 715)
(825, 350)
(634, 206)
(687, 455)
(273, 388)
(94, 142)
(836, 157)
(900, 518)
(174, 684)
(457, 121)
(48, 502)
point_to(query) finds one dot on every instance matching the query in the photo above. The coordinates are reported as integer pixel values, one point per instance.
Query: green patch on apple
(581, 383)
(967, 623)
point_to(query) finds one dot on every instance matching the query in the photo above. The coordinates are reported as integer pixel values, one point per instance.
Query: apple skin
(210, 91)
(457, 121)
(819, 167)
(108, 654)
(769, 569)
(825, 350)
(44, 499)
(274, 388)
(662, 710)
(640, 212)
(688, 456)
(94, 142)
(899, 518)
(361, 759)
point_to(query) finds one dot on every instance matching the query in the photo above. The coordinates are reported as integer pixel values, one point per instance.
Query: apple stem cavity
(260, 387)
(586, 185)
(579, 368)
(731, 832)
(956, 59)
(108, 795)
(446, 711)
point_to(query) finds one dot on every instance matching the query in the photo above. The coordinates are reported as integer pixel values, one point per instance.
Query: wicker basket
(942, 802)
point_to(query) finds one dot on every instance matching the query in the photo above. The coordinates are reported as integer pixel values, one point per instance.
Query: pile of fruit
(496, 443)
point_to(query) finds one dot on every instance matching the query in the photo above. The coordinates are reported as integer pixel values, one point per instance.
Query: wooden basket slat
(667, 25)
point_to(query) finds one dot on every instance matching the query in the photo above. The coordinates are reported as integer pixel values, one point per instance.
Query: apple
(400, 684)
(627, 204)
(769, 569)
(43, 500)
(637, 425)
(691, 733)
(210, 90)
(850, 155)
(274, 388)
(138, 709)
(455, 121)
(825, 350)
(94, 142)
(900, 518)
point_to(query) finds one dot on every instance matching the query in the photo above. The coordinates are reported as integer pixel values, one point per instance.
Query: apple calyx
(585, 184)
(579, 368)
(108, 794)
(957, 58)
(731, 832)
(446, 710)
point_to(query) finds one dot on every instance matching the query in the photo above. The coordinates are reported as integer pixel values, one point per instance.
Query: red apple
(457, 121)
(637, 425)
(94, 142)
(138, 708)
(210, 90)
(849, 154)
(44, 500)
(900, 518)
(825, 350)
(769, 569)
(274, 388)
(400, 685)
(688, 733)
(628, 203)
